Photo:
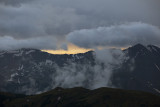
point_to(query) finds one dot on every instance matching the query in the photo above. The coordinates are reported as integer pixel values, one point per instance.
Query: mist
(88, 75)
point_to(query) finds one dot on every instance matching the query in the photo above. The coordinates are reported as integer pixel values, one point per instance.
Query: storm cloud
(27, 19)
(116, 36)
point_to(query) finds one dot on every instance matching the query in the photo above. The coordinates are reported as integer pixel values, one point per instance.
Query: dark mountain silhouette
(81, 97)
(141, 71)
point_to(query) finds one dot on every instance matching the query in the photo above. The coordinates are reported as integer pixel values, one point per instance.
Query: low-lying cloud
(10, 43)
(116, 35)
(88, 75)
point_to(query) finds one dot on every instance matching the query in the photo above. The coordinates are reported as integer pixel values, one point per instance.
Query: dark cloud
(14, 2)
(23, 19)
(38, 20)
(116, 36)
(10, 43)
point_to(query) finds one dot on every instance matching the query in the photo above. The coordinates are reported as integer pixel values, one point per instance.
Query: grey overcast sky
(87, 23)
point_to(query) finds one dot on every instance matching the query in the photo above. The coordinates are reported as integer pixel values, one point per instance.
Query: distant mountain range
(31, 71)
(81, 97)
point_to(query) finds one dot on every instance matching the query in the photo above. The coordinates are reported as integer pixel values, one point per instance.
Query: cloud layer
(10, 43)
(25, 19)
(116, 36)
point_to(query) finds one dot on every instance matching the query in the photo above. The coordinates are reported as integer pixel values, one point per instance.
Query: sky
(53, 24)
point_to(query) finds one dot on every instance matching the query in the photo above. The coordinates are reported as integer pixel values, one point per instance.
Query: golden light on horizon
(123, 48)
(72, 49)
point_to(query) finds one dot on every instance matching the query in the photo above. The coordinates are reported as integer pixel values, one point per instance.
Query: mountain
(31, 71)
(141, 71)
(81, 97)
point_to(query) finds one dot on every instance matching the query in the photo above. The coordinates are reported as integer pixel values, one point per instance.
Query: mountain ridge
(31, 71)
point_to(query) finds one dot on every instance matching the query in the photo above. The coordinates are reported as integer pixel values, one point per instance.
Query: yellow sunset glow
(72, 49)
(123, 48)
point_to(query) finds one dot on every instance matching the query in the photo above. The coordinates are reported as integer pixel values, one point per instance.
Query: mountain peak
(137, 50)
(138, 46)
(140, 50)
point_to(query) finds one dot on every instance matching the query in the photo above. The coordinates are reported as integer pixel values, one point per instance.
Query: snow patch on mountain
(12, 76)
(19, 54)
(157, 67)
(75, 56)
(28, 52)
(48, 62)
(156, 90)
(20, 67)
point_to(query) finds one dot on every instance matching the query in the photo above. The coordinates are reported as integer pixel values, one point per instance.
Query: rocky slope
(141, 71)
(29, 71)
